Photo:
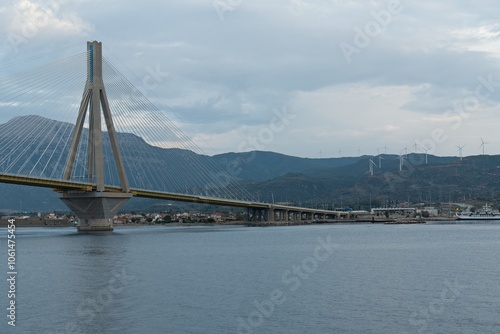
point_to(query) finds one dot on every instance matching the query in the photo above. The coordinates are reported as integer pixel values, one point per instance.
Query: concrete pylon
(95, 210)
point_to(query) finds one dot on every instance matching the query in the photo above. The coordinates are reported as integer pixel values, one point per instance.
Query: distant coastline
(41, 222)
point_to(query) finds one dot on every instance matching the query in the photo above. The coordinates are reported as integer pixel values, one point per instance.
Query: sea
(339, 278)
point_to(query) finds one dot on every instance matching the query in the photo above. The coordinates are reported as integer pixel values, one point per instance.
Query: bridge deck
(63, 185)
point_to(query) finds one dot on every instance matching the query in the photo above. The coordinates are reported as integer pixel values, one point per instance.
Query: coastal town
(53, 219)
(403, 214)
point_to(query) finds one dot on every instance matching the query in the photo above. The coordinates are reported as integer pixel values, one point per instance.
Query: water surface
(432, 278)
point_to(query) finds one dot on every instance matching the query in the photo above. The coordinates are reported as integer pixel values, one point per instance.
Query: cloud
(30, 26)
(225, 77)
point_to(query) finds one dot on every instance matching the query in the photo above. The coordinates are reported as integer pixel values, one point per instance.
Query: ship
(486, 213)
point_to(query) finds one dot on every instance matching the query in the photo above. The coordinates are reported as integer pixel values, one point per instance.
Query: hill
(267, 176)
(443, 179)
(260, 166)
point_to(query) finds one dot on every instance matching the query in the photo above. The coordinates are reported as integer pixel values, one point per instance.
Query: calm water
(439, 278)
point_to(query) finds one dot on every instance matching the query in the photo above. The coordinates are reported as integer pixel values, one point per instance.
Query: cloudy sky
(322, 78)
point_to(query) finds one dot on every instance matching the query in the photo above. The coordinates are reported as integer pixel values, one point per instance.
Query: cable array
(172, 154)
(42, 105)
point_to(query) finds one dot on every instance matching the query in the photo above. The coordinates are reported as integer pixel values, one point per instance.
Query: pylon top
(94, 70)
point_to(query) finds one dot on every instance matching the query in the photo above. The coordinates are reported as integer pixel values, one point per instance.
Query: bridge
(86, 165)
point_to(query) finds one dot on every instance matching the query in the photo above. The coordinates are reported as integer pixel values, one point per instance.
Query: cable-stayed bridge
(101, 147)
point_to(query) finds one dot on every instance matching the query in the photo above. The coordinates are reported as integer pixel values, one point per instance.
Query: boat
(486, 213)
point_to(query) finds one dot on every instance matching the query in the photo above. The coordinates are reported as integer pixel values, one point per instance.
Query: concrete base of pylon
(94, 210)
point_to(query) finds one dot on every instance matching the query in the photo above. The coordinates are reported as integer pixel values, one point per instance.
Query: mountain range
(267, 176)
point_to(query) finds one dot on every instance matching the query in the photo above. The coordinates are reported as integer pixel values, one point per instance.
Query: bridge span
(256, 210)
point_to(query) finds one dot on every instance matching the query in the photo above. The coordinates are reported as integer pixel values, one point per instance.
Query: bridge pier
(269, 215)
(296, 216)
(258, 214)
(95, 210)
(278, 215)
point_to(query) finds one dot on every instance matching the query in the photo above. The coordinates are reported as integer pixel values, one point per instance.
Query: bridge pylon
(95, 209)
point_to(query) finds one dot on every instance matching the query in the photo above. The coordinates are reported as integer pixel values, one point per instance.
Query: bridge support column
(95, 210)
(269, 215)
(260, 214)
(252, 214)
(279, 215)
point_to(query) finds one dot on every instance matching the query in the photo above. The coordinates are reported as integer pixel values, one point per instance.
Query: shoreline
(378, 220)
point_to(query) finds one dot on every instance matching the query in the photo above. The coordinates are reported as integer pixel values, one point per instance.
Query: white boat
(484, 214)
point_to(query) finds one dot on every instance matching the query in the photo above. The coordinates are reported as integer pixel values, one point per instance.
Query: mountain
(260, 166)
(268, 176)
(442, 179)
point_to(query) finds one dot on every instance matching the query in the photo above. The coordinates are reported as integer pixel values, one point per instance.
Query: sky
(318, 79)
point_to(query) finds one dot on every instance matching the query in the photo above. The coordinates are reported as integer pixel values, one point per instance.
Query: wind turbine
(380, 161)
(385, 149)
(415, 147)
(401, 161)
(370, 166)
(482, 144)
(425, 149)
(460, 150)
